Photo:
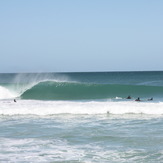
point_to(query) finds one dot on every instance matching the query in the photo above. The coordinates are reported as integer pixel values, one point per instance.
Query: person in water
(138, 99)
(14, 100)
(129, 97)
(150, 99)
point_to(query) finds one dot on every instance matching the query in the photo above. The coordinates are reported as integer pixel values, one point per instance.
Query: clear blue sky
(81, 35)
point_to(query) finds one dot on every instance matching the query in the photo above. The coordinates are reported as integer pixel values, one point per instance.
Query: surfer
(14, 100)
(150, 99)
(129, 97)
(138, 99)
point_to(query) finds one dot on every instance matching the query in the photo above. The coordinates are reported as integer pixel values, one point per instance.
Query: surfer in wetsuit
(150, 99)
(14, 100)
(129, 97)
(138, 99)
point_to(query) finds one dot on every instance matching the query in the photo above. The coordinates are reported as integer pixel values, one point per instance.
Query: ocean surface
(81, 117)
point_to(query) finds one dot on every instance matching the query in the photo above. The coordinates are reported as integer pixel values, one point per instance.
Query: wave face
(50, 90)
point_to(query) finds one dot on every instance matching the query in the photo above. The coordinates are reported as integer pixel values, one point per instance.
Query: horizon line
(80, 71)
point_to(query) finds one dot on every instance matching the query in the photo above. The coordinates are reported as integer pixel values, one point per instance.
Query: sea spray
(26, 80)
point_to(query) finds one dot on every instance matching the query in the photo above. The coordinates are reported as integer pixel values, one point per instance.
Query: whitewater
(81, 117)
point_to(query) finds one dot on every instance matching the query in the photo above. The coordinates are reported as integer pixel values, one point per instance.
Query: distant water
(81, 117)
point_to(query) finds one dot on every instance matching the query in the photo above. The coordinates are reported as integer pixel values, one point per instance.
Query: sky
(81, 35)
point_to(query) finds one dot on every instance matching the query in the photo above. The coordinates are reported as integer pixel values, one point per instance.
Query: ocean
(81, 117)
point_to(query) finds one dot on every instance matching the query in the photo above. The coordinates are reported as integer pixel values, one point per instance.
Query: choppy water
(81, 117)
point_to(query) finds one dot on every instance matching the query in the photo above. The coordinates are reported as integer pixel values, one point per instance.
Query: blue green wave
(50, 90)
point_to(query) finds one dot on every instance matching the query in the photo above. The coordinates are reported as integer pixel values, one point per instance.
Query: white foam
(37, 150)
(6, 94)
(117, 98)
(25, 107)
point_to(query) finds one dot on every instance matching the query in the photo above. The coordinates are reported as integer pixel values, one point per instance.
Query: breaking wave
(56, 90)
(50, 90)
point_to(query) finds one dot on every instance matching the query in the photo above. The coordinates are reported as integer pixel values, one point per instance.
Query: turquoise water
(81, 117)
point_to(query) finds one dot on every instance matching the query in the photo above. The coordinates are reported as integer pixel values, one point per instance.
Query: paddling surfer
(129, 97)
(138, 99)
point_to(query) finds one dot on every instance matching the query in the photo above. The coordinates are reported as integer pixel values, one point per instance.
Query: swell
(50, 90)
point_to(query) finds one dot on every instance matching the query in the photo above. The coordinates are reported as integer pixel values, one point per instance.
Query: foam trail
(25, 107)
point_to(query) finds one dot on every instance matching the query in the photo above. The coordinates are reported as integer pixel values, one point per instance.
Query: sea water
(81, 117)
